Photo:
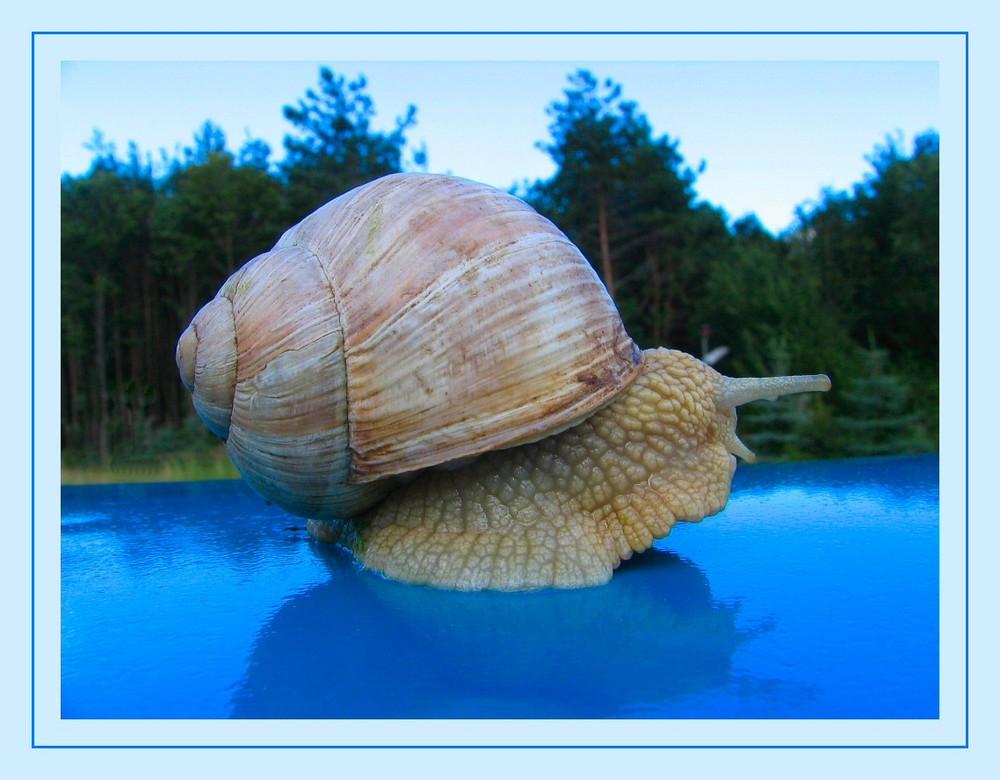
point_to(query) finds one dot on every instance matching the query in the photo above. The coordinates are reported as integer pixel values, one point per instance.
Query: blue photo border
(36, 35)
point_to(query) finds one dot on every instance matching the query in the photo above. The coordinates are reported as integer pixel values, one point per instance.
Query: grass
(183, 466)
(184, 453)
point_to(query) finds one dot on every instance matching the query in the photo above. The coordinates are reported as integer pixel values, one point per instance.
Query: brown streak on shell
(463, 328)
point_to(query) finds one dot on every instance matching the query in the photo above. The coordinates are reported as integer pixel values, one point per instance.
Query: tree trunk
(656, 292)
(602, 231)
(102, 443)
(668, 289)
(71, 422)
(151, 350)
(119, 390)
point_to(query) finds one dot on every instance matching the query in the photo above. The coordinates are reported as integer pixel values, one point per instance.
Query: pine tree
(783, 428)
(878, 420)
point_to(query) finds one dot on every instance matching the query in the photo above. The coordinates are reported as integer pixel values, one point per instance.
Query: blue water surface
(813, 595)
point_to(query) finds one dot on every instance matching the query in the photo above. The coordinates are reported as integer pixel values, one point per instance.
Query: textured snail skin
(565, 511)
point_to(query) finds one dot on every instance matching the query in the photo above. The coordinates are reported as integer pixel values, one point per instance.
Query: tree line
(850, 290)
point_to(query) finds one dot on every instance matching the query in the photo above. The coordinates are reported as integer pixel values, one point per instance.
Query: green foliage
(626, 199)
(878, 418)
(790, 427)
(876, 253)
(215, 214)
(876, 250)
(334, 148)
(105, 236)
(769, 306)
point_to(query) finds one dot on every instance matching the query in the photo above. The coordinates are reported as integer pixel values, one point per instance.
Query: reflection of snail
(421, 321)
(637, 647)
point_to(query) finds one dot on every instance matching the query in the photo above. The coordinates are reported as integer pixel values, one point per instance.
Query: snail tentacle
(738, 391)
(735, 392)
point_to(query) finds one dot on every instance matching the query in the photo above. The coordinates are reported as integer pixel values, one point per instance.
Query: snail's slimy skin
(565, 511)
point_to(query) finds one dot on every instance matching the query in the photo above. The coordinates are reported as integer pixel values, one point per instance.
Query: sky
(771, 135)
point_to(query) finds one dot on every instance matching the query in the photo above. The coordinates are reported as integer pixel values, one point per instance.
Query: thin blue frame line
(964, 34)
(488, 746)
(966, 390)
(502, 32)
(32, 423)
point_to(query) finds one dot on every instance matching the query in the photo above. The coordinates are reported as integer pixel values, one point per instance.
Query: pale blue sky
(772, 134)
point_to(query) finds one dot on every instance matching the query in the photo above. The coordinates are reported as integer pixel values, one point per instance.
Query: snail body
(434, 375)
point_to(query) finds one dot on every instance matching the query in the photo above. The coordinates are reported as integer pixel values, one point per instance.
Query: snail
(432, 373)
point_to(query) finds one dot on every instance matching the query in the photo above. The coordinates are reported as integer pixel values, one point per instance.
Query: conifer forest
(850, 290)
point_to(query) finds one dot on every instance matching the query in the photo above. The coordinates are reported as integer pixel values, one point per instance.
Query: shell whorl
(206, 358)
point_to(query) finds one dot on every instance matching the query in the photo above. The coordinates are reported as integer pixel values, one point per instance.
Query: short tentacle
(735, 392)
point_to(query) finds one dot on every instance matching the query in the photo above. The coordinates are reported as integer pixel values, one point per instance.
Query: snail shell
(414, 321)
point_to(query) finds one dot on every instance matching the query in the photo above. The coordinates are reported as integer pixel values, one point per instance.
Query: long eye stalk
(743, 390)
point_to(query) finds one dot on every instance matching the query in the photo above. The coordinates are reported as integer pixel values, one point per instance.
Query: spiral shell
(411, 322)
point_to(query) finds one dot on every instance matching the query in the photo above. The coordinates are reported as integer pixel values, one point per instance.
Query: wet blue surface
(813, 595)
